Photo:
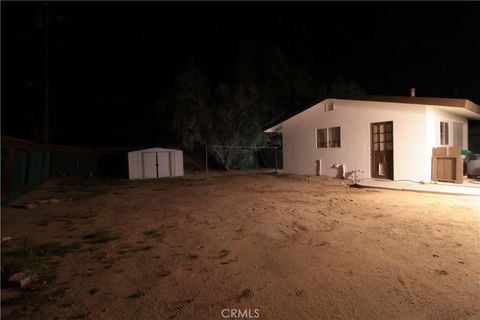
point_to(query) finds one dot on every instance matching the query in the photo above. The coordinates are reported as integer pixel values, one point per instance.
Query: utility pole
(45, 136)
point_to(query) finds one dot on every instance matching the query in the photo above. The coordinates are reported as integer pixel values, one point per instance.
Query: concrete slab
(470, 188)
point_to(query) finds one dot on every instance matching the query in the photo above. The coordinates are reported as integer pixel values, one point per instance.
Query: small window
(328, 138)
(334, 137)
(444, 133)
(322, 138)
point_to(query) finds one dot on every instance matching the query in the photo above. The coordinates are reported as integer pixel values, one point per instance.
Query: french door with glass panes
(382, 149)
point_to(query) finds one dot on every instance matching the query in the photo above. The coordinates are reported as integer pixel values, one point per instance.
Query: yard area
(294, 247)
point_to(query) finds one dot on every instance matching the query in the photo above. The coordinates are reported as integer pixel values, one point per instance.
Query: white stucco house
(387, 137)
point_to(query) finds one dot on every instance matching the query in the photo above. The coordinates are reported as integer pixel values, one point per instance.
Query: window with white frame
(444, 133)
(322, 140)
(328, 137)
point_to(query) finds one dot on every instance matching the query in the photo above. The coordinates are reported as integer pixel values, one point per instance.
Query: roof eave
(456, 103)
(470, 106)
(273, 128)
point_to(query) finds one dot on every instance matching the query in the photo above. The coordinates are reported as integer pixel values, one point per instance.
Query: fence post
(276, 164)
(206, 162)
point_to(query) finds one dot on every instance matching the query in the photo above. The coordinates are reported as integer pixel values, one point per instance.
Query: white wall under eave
(354, 118)
(435, 115)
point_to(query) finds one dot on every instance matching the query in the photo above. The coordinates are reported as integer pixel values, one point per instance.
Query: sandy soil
(293, 247)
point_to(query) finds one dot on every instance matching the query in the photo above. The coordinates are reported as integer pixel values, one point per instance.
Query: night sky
(110, 61)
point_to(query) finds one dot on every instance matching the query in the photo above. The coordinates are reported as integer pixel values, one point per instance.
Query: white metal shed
(155, 163)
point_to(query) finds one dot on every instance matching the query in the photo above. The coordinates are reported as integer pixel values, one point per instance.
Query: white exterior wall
(435, 115)
(135, 166)
(176, 161)
(354, 118)
(170, 163)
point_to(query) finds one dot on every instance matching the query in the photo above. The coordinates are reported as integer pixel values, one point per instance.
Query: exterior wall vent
(329, 106)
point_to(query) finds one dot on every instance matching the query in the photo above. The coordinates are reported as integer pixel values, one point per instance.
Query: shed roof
(440, 102)
(156, 149)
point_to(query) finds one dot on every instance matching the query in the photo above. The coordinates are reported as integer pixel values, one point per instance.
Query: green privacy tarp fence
(21, 170)
(38, 168)
(26, 164)
(113, 165)
(28, 169)
(74, 164)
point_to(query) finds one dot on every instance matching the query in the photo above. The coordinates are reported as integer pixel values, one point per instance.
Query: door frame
(390, 175)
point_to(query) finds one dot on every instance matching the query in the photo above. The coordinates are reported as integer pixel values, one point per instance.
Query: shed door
(382, 149)
(163, 164)
(149, 165)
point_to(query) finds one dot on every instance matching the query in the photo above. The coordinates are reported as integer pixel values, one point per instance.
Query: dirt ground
(293, 247)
